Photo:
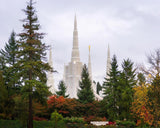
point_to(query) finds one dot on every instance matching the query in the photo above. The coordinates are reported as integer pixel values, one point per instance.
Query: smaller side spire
(50, 57)
(108, 62)
(89, 63)
(50, 77)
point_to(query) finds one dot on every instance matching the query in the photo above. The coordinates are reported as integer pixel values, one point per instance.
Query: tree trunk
(30, 123)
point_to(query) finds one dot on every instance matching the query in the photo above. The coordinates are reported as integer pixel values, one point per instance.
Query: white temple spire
(50, 78)
(73, 70)
(75, 23)
(89, 64)
(75, 49)
(108, 62)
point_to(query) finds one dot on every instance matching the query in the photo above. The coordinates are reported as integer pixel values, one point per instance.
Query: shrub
(94, 118)
(55, 116)
(39, 118)
(127, 124)
(74, 120)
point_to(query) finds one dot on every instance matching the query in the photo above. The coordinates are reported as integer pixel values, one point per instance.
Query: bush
(94, 118)
(106, 126)
(36, 124)
(39, 118)
(49, 124)
(10, 124)
(74, 120)
(55, 116)
(126, 124)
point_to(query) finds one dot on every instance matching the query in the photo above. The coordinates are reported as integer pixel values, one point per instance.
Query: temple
(73, 70)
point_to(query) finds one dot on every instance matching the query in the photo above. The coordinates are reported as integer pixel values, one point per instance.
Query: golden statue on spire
(89, 47)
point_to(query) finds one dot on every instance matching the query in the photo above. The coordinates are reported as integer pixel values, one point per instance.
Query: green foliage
(9, 58)
(126, 124)
(10, 87)
(127, 82)
(141, 79)
(37, 124)
(154, 94)
(55, 116)
(111, 91)
(85, 93)
(9, 51)
(74, 120)
(99, 87)
(30, 64)
(62, 90)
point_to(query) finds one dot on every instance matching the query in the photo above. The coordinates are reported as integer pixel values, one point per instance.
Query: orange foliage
(55, 101)
(139, 107)
(64, 106)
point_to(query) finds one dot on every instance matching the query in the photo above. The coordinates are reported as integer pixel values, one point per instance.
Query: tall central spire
(75, 48)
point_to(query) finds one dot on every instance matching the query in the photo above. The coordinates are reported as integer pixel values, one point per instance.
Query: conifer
(85, 92)
(62, 90)
(31, 63)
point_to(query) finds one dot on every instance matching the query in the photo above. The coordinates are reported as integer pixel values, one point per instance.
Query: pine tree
(111, 90)
(127, 82)
(99, 87)
(141, 79)
(8, 54)
(9, 51)
(7, 60)
(31, 64)
(62, 90)
(85, 93)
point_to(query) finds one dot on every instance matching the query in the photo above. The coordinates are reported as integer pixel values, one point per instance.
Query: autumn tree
(152, 73)
(140, 108)
(62, 90)
(3, 95)
(154, 97)
(31, 64)
(85, 93)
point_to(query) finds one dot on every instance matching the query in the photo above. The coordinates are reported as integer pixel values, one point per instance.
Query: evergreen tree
(111, 90)
(8, 54)
(7, 60)
(127, 81)
(9, 51)
(62, 90)
(85, 93)
(99, 87)
(31, 64)
(141, 79)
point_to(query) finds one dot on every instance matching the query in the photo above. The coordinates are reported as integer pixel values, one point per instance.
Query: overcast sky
(130, 27)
